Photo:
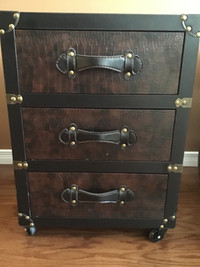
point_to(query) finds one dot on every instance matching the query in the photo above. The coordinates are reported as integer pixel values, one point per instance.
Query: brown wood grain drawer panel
(153, 128)
(46, 189)
(38, 51)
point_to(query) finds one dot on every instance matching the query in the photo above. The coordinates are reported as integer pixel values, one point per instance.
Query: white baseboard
(191, 158)
(6, 156)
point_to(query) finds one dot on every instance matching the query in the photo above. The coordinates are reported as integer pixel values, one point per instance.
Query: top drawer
(39, 50)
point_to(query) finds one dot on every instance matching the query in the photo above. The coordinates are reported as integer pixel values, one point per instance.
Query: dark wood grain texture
(101, 247)
(46, 189)
(154, 130)
(38, 52)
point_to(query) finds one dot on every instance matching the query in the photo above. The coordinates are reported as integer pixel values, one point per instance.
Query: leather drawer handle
(70, 63)
(74, 195)
(73, 136)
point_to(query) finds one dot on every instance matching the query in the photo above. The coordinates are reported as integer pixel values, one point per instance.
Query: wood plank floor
(100, 247)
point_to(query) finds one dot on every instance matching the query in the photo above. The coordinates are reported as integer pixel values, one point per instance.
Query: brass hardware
(198, 34)
(183, 102)
(123, 189)
(11, 26)
(169, 168)
(129, 55)
(71, 72)
(123, 145)
(14, 99)
(122, 202)
(16, 16)
(27, 217)
(177, 168)
(25, 165)
(173, 217)
(74, 187)
(128, 74)
(72, 128)
(74, 201)
(188, 28)
(165, 220)
(20, 214)
(124, 130)
(183, 17)
(31, 224)
(2, 31)
(71, 54)
(19, 99)
(19, 165)
(73, 143)
(162, 226)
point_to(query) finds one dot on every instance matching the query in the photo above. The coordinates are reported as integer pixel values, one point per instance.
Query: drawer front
(39, 50)
(98, 134)
(48, 200)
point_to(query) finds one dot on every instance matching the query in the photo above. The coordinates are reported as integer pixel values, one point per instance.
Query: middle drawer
(98, 134)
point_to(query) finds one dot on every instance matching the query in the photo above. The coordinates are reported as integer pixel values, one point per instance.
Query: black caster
(30, 230)
(157, 234)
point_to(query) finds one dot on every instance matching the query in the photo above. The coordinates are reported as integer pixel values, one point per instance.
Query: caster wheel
(157, 234)
(30, 230)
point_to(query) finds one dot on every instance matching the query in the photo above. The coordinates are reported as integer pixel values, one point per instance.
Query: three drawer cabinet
(98, 107)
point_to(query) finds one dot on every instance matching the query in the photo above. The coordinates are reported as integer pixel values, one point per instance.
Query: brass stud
(198, 34)
(72, 128)
(11, 26)
(71, 54)
(2, 31)
(175, 168)
(74, 201)
(173, 217)
(123, 189)
(20, 214)
(124, 130)
(177, 102)
(184, 102)
(74, 187)
(122, 202)
(31, 224)
(25, 165)
(169, 168)
(16, 15)
(19, 98)
(13, 98)
(123, 145)
(129, 55)
(162, 226)
(71, 72)
(27, 217)
(128, 74)
(184, 17)
(73, 143)
(19, 165)
(188, 28)
(165, 220)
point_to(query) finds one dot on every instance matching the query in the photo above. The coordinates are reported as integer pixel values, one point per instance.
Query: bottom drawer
(97, 195)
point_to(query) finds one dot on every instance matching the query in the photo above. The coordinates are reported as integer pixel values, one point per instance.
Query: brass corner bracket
(167, 220)
(183, 102)
(20, 165)
(11, 26)
(176, 168)
(188, 28)
(14, 99)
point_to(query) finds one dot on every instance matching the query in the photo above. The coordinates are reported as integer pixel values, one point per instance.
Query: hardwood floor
(100, 247)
